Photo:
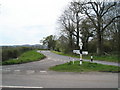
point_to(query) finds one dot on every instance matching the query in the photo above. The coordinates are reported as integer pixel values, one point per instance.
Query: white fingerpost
(80, 44)
(80, 59)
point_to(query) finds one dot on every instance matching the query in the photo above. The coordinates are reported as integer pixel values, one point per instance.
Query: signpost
(80, 52)
(80, 44)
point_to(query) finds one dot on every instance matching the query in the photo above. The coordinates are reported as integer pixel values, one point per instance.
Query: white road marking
(18, 87)
(49, 58)
(20, 66)
(42, 61)
(6, 70)
(30, 71)
(17, 70)
(43, 71)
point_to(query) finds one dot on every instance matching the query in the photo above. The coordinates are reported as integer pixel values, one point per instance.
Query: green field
(109, 58)
(85, 67)
(25, 57)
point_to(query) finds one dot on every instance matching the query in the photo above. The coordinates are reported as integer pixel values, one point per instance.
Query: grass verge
(109, 58)
(85, 67)
(25, 57)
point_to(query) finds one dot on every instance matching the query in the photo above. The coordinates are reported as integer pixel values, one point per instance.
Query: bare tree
(67, 27)
(95, 11)
(113, 30)
(76, 17)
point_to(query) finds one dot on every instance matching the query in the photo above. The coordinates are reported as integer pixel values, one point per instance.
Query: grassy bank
(109, 58)
(25, 57)
(10, 52)
(85, 67)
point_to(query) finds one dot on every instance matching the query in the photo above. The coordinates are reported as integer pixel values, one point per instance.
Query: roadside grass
(109, 58)
(29, 56)
(85, 67)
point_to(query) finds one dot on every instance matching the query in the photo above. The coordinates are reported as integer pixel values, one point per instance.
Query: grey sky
(28, 21)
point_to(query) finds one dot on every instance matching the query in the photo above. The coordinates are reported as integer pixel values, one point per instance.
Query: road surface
(36, 75)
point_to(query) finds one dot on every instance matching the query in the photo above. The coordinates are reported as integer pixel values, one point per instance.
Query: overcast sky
(28, 21)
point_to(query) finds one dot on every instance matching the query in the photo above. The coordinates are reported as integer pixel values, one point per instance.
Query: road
(36, 75)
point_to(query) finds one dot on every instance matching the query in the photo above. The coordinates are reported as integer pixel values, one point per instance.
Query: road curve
(36, 74)
(64, 58)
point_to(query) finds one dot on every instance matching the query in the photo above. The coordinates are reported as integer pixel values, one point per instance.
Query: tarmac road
(36, 75)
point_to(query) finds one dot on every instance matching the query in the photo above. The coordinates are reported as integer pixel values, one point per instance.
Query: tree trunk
(86, 44)
(70, 42)
(77, 38)
(118, 37)
(99, 43)
(99, 35)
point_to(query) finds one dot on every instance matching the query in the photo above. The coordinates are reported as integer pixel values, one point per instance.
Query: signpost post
(81, 53)
(80, 44)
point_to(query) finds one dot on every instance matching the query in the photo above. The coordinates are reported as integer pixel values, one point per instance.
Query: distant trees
(62, 44)
(49, 41)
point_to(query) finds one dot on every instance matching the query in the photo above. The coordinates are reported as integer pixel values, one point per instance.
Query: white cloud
(28, 21)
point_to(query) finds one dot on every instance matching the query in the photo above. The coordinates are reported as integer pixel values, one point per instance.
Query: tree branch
(74, 34)
(92, 20)
(96, 11)
(108, 9)
(110, 23)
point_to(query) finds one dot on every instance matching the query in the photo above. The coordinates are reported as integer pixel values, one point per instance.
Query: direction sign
(78, 52)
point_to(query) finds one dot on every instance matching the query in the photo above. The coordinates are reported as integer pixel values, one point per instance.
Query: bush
(13, 52)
